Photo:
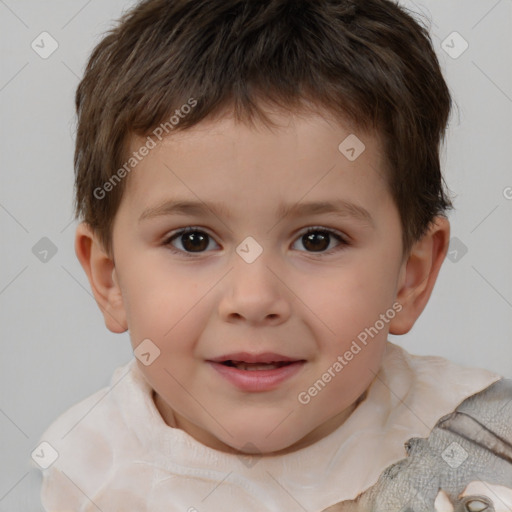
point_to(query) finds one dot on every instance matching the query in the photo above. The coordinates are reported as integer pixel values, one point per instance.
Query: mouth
(242, 365)
(262, 361)
(256, 372)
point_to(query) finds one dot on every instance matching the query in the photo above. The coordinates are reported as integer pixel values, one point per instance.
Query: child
(262, 378)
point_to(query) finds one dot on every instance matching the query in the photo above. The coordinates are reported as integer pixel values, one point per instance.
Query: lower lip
(257, 380)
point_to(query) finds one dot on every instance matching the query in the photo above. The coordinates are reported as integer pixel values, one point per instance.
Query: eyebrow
(338, 207)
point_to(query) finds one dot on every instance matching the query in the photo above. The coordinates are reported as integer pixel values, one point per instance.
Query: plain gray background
(55, 347)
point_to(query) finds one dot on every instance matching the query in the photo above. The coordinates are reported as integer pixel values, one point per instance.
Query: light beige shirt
(116, 454)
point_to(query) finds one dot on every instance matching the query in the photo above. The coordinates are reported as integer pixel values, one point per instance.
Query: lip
(257, 380)
(246, 357)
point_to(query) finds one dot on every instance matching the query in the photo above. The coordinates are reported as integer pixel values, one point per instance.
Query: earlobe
(101, 273)
(419, 273)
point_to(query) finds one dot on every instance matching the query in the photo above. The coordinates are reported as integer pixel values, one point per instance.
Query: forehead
(305, 156)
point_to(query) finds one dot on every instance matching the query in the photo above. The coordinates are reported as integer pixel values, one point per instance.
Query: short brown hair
(366, 61)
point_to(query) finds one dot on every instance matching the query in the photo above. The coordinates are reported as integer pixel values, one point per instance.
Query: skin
(293, 300)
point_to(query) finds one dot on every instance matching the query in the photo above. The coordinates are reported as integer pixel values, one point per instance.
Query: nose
(253, 293)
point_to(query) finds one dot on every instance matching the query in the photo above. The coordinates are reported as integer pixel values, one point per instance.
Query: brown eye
(317, 241)
(321, 240)
(195, 241)
(192, 240)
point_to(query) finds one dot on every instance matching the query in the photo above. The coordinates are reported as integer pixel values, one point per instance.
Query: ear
(100, 270)
(418, 275)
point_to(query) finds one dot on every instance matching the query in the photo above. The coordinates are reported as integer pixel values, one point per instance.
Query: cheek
(151, 299)
(171, 310)
(350, 298)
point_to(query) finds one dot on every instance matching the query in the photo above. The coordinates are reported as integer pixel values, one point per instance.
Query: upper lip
(246, 357)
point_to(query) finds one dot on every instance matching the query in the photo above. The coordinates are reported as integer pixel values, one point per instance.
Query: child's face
(304, 298)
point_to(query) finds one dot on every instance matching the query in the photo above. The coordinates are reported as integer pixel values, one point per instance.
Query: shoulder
(81, 446)
(425, 388)
(464, 464)
(438, 370)
(86, 413)
(493, 398)
(437, 376)
(485, 420)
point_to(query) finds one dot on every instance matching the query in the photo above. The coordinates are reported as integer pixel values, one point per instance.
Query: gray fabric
(474, 443)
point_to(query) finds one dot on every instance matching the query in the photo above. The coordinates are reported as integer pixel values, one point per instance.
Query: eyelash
(312, 229)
